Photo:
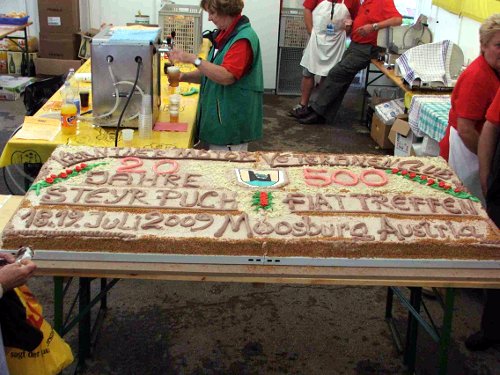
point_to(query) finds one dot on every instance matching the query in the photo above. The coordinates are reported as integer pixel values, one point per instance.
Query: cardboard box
(55, 67)
(430, 147)
(402, 137)
(417, 150)
(4, 62)
(57, 16)
(86, 39)
(59, 46)
(382, 95)
(11, 87)
(14, 60)
(380, 133)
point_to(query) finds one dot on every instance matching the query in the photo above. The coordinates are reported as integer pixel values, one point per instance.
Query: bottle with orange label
(69, 111)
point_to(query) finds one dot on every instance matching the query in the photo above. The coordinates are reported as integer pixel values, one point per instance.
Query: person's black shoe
(300, 111)
(313, 118)
(478, 341)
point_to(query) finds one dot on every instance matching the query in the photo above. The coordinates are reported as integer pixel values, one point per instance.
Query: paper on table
(171, 126)
(39, 128)
(4, 199)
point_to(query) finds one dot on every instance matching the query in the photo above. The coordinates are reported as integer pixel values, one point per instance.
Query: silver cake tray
(61, 255)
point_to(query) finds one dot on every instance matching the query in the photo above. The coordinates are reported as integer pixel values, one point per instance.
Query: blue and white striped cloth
(428, 115)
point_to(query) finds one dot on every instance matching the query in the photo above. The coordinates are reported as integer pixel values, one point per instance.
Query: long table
(7, 31)
(420, 274)
(385, 71)
(16, 150)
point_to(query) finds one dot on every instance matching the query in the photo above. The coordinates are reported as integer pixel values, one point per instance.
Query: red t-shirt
(475, 89)
(352, 5)
(239, 56)
(370, 12)
(493, 114)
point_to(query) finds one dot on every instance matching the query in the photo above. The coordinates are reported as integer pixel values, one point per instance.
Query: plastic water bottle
(75, 88)
(145, 118)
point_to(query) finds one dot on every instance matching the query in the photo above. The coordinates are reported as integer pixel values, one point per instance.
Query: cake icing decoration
(443, 186)
(62, 176)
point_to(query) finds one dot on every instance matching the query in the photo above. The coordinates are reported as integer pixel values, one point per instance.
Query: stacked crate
(293, 38)
(185, 20)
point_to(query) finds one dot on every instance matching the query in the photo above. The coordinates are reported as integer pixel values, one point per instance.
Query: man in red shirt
(372, 16)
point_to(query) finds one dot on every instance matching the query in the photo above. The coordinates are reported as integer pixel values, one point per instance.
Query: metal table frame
(7, 30)
(393, 277)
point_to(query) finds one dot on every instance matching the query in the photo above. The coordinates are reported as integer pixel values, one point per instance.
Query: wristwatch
(375, 26)
(197, 62)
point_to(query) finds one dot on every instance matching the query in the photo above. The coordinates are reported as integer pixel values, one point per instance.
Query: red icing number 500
(319, 177)
(131, 165)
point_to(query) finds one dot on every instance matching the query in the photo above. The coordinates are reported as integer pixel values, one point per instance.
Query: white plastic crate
(185, 20)
(289, 71)
(293, 32)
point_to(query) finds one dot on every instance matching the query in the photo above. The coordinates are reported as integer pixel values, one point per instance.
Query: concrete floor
(159, 327)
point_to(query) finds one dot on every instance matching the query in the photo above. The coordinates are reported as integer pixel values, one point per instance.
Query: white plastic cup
(174, 99)
(146, 104)
(145, 125)
(127, 136)
(174, 75)
(174, 116)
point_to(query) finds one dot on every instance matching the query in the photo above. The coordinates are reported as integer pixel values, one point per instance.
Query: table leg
(58, 304)
(365, 93)
(412, 329)
(104, 299)
(444, 341)
(84, 325)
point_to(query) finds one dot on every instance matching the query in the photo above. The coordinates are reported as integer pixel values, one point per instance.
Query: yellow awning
(477, 10)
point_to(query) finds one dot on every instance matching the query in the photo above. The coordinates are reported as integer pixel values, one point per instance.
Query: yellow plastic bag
(51, 356)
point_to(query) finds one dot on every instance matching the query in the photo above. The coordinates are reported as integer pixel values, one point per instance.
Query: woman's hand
(16, 274)
(178, 55)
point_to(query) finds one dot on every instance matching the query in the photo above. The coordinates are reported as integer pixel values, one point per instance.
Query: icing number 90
(132, 165)
(320, 177)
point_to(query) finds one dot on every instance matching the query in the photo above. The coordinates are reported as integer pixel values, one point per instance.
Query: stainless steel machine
(115, 55)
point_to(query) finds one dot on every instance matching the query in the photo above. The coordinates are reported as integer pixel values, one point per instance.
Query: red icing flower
(49, 180)
(53, 176)
(263, 199)
(423, 177)
(430, 181)
(83, 165)
(63, 175)
(457, 190)
(442, 184)
(78, 168)
(395, 170)
(413, 175)
(69, 171)
(404, 172)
